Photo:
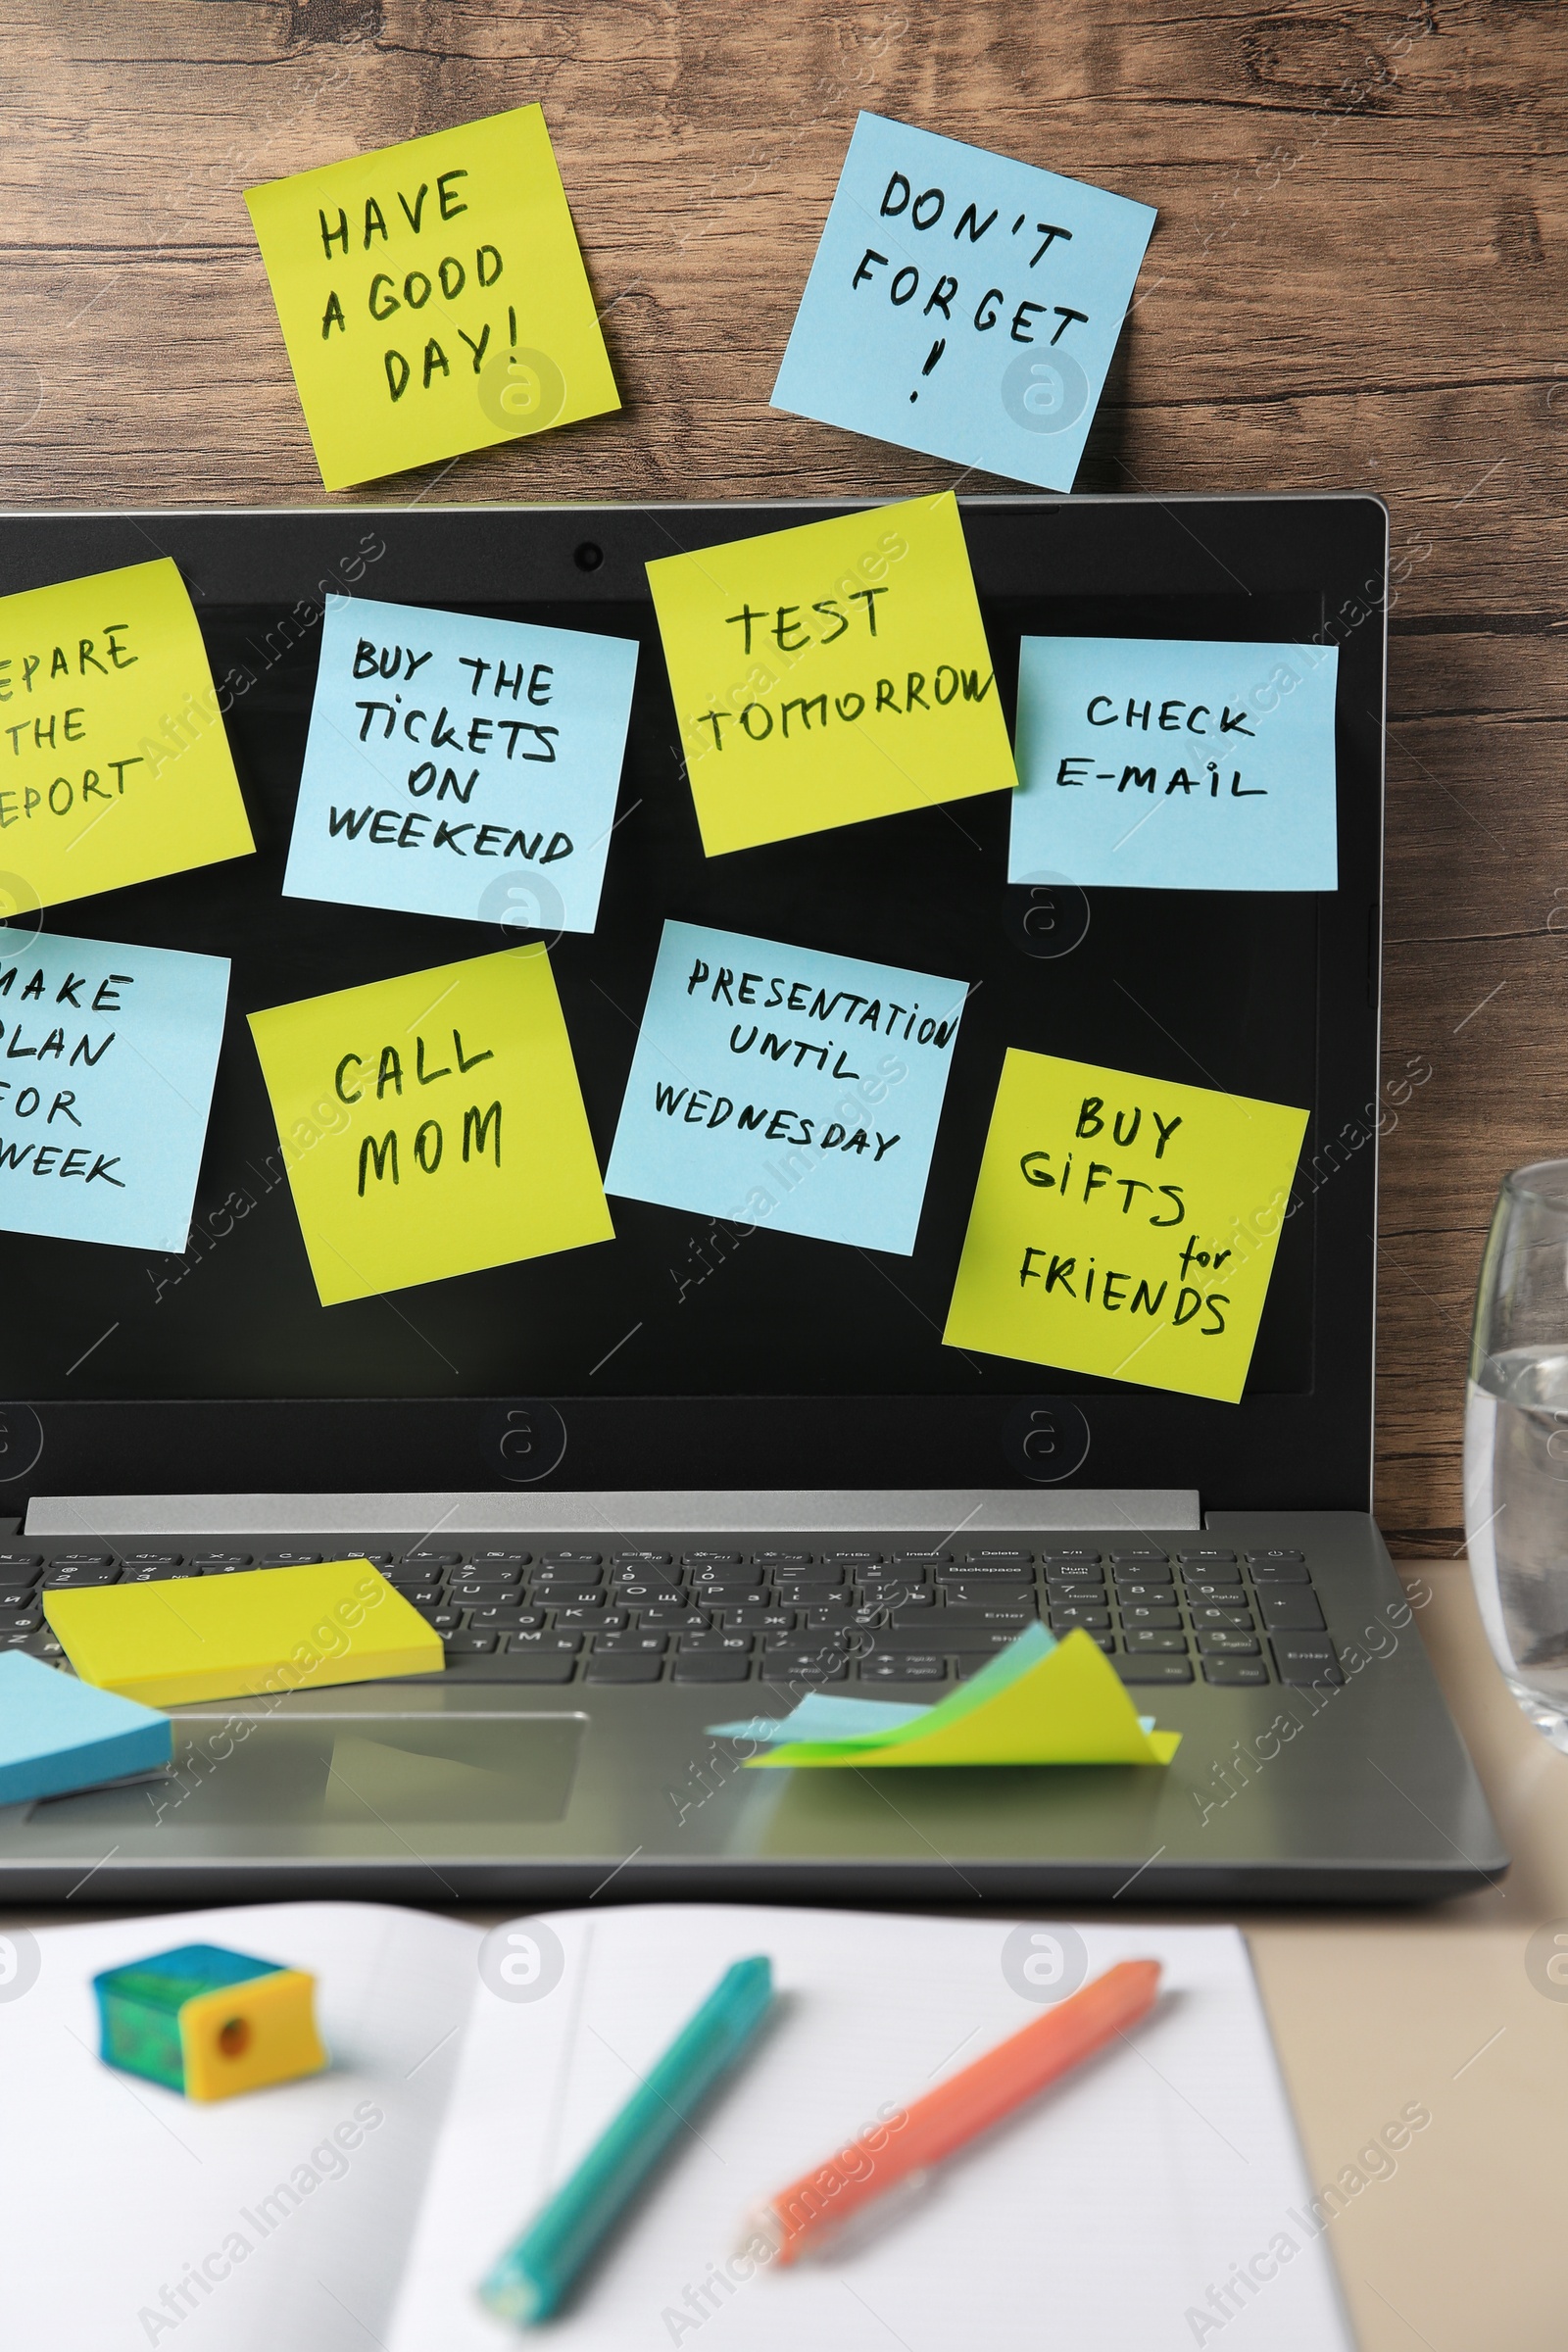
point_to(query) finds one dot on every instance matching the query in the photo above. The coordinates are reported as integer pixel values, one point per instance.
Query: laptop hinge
(611, 1513)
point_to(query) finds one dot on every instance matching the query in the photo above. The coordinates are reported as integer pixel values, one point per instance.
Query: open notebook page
(1102, 2215)
(115, 2189)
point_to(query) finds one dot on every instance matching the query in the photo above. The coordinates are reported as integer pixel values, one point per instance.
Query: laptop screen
(697, 1314)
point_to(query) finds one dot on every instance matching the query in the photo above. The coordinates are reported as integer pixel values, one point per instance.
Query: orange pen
(955, 2112)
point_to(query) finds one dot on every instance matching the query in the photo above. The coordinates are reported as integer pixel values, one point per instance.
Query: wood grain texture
(1358, 280)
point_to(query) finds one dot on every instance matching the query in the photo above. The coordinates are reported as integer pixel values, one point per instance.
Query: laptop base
(1313, 1767)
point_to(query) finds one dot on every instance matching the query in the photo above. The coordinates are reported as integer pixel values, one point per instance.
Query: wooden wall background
(1358, 280)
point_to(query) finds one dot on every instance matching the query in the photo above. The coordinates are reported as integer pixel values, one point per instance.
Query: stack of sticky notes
(57, 1734)
(265, 1630)
(1039, 1701)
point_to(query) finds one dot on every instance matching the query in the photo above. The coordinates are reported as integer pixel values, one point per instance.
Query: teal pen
(534, 2274)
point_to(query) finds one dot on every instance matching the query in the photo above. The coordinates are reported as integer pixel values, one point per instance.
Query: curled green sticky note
(1039, 1701)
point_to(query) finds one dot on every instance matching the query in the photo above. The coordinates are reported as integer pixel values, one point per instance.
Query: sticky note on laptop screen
(964, 304)
(830, 674)
(461, 766)
(113, 764)
(432, 297)
(786, 1088)
(107, 1060)
(1124, 1226)
(1157, 764)
(432, 1124)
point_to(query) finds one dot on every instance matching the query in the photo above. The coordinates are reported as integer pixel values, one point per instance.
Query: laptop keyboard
(833, 1613)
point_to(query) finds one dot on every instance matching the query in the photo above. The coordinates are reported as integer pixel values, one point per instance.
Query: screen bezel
(1308, 1450)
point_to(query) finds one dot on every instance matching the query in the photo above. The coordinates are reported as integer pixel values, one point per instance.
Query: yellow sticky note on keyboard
(432, 1124)
(1038, 1701)
(113, 764)
(830, 674)
(267, 1630)
(1124, 1225)
(433, 297)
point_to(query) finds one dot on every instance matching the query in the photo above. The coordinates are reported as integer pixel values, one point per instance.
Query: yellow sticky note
(269, 1629)
(433, 297)
(1038, 1702)
(1123, 1225)
(113, 764)
(432, 1124)
(831, 674)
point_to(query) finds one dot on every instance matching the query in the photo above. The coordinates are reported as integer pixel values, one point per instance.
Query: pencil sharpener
(208, 2022)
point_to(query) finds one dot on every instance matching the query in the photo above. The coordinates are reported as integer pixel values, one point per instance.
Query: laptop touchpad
(348, 1771)
(469, 1768)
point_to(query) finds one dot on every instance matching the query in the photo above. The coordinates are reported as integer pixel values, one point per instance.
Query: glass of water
(1516, 1443)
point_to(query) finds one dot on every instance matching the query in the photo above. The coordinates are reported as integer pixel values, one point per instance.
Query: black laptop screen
(1210, 989)
(1218, 989)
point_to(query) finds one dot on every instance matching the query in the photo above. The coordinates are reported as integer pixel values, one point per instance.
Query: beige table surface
(1458, 2248)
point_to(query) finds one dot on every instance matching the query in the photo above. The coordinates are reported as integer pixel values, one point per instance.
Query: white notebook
(1154, 2200)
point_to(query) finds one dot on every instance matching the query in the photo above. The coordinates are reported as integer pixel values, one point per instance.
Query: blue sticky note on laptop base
(58, 1734)
(964, 304)
(461, 766)
(1162, 763)
(107, 1064)
(785, 1087)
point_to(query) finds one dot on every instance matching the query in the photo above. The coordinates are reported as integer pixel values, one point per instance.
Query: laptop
(680, 1480)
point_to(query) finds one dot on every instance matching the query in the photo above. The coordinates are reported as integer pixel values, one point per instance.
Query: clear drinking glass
(1516, 1443)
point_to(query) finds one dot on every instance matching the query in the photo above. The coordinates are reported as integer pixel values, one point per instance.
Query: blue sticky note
(1164, 763)
(820, 1715)
(823, 1715)
(964, 304)
(106, 1061)
(58, 1734)
(461, 766)
(786, 1088)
